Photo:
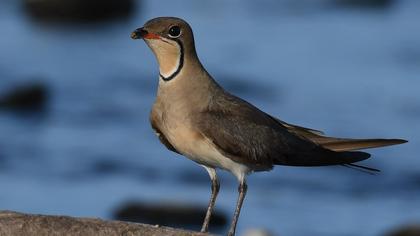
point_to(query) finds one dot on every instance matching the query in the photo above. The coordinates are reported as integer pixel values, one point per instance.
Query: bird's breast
(191, 143)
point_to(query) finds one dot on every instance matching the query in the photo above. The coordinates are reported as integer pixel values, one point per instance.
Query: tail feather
(339, 151)
(339, 145)
(322, 157)
(364, 169)
(351, 157)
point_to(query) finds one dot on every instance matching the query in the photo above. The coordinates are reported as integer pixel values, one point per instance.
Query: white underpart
(202, 150)
(206, 154)
(211, 171)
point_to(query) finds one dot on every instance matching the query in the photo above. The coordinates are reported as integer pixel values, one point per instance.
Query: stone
(29, 97)
(79, 10)
(14, 223)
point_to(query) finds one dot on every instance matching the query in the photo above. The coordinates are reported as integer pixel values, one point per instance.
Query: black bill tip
(138, 33)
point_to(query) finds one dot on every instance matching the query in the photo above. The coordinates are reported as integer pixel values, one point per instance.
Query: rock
(168, 214)
(257, 232)
(30, 97)
(365, 3)
(79, 10)
(14, 223)
(408, 230)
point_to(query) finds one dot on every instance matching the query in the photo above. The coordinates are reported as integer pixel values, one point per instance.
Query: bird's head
(171, 40)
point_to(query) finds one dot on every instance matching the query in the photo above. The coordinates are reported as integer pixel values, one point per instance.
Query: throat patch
(180, 63)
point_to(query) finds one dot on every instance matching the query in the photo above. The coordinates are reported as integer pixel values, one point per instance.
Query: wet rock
(365, 3)
(257, 232)
(79, 10)
(408, 230)
(30, 97)
(15, 223)
(168, 214)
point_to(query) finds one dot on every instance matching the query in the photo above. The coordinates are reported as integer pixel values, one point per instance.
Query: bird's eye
(174, 32)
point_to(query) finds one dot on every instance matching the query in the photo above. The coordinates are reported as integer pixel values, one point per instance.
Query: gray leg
(215, 186)
(242, 191)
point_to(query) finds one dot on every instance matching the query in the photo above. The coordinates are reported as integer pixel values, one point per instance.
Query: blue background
(349, 71)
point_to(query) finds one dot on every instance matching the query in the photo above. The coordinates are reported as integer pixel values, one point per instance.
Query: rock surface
(14, 223)
(30, 97)
(408, 230)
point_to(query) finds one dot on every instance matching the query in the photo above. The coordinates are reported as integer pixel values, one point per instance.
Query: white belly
(202, 150)
(207, 154)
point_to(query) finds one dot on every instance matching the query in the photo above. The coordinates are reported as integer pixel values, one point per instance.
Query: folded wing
(247, 135)
(338, 144)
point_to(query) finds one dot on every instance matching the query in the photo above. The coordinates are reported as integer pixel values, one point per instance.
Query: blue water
(348, 71)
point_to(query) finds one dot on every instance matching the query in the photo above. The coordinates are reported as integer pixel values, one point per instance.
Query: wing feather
(247, 135)
(338, 144)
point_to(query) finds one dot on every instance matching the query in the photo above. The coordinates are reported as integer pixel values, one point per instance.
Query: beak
(138, 33)
(141, 33)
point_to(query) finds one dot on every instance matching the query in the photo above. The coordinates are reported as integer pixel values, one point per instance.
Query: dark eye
(174, 31)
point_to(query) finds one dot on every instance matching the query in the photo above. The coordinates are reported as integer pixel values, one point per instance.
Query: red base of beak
(151, 36)
(140, 33)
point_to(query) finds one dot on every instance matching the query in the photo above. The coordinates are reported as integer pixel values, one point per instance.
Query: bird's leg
(242, 192)
(215, 186)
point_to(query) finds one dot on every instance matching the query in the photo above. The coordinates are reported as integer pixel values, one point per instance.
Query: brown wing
(338, 144)
(247, 135)
(238, 139)
(298, 129)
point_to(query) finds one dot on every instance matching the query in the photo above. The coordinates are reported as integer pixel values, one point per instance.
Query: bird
(196, 117)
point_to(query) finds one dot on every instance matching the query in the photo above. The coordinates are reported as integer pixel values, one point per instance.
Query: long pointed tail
(340, 144)
(364, 169)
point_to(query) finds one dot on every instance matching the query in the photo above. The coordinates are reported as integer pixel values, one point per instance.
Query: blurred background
(76, 91)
